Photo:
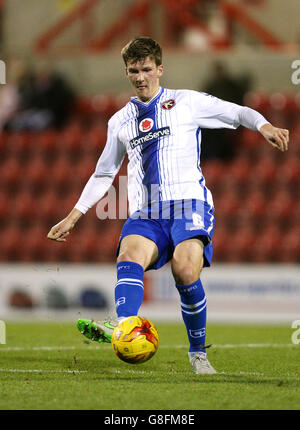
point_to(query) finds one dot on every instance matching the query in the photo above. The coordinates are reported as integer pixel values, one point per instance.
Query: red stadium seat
(70, 144)
(36, 175)
(290, 246)
(85, 247)
(235, 178)
(252, 210)
(256, 194)
(227, 207)
(35, 244)
(49, 208)
(3, 145)
(93, 140)
(257, 100)
(249, 140)
(104, 105)
(281, 207)
(83, 107)
(83, 171)
(289, 172)
(255, 203)
(241, 245)
(11, 175)
(263, 173)
(20, 145)
(278, 101)
(5, 209)
(295, 213)
(67, 202)
(47, 144)
(56, 252)
(213, 171)
(24, 208)
(11, 243)
(267, 246)
(294, 144)
(221, 243)
(61, 174)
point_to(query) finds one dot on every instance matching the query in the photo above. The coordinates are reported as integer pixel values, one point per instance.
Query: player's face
(144, 77)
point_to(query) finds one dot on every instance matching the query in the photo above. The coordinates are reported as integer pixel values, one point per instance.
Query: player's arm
(212, 112)
(93, 191)
(250, 118)
(107, 167)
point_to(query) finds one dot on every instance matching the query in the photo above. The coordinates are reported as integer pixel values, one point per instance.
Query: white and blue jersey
(163, 141)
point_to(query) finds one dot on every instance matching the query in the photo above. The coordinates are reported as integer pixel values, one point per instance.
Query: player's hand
(277, 137)
(60, 231)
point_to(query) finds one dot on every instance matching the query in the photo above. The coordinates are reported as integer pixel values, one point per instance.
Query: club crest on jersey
(168, 104)
(146, 125)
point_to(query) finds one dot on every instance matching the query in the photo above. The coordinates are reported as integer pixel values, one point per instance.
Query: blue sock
(193, 309)
(129, 291)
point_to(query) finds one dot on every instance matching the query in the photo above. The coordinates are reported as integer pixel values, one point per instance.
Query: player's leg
(187, 263)
(136, 254)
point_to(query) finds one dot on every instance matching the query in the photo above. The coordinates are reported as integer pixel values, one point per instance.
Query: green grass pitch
(52, 366)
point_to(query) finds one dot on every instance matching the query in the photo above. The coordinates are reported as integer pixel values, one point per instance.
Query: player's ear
(160, 69)
(126, 71)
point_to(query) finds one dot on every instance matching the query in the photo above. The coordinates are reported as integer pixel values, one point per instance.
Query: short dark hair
(140, 48)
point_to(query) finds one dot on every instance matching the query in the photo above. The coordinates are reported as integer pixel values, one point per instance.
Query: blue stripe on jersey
(198, 132)
(149, 150)
(198, 147)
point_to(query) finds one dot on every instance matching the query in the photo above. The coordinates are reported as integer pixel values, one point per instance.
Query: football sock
(193, 310)
(129, 290)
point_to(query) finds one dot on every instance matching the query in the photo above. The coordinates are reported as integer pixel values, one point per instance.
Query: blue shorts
(169, 223)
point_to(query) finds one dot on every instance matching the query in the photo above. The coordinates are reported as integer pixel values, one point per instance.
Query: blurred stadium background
(65, 78)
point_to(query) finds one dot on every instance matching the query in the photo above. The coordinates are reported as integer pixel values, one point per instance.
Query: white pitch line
(41, 371)
(95, 347)
(37, 348)
(239, 345)
(49, 348)
(254, 345)
(147, 372)
(174, 372)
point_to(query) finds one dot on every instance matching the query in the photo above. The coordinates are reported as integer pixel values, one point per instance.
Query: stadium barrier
(235, 293)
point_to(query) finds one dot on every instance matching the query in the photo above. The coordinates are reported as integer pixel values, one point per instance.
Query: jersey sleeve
(107, 167)
(211, 112)
(112, 157)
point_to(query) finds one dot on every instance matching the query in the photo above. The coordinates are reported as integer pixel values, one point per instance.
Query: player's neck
(150, 98)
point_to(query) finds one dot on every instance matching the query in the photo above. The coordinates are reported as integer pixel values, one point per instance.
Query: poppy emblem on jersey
(168, 104)
(146, 125)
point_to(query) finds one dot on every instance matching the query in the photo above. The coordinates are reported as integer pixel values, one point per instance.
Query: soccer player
(171, 209)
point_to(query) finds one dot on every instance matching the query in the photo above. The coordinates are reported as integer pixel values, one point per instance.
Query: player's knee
(186, 274)
(131, 255)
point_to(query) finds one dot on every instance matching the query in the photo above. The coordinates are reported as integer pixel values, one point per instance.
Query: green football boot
(99, 331)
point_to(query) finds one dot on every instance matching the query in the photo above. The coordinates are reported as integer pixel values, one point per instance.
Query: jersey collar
(137, 101)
